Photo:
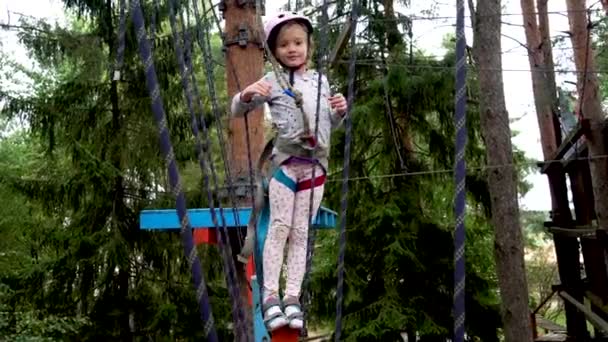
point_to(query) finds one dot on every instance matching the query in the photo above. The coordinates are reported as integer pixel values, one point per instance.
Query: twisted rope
(459, 176)
(228, 262)
(347, 142)
(145, 53)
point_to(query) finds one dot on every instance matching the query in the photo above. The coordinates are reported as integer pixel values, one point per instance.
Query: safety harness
(262, 179)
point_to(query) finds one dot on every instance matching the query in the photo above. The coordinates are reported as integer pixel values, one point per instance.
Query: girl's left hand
(338, 103)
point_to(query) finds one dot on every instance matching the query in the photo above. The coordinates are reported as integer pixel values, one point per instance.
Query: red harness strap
(307, 184)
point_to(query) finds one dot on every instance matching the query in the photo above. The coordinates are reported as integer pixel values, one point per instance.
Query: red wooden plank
(207, 236)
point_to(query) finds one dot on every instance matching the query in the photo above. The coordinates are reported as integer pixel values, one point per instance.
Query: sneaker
(274, 318)
(294, 313)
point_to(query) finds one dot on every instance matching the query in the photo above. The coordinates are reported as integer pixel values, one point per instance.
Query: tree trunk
(591, 108)
(118, 213)
(546, 48)
(508, 246)
(605, 6)
(393, 36)
(540, 83)
(540, 58)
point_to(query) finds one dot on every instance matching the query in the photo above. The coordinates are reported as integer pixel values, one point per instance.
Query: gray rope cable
(222, 229)
(205, 46)
(311, 231)
(347, 145)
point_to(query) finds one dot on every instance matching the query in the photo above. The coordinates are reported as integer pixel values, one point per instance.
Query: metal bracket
(242, 38)
(221, 6)
(242, 4)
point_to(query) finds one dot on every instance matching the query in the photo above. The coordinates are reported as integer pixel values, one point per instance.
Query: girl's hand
(338, 103)
(261, 88)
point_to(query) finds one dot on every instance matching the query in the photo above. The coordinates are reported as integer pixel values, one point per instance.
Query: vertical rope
(174, 177)
(345, 175)
(459, 176)
(228, 262)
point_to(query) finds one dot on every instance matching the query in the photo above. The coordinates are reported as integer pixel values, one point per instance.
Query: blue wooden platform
(165, 219)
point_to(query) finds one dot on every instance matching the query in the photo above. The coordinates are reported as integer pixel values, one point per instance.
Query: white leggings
(289, 218)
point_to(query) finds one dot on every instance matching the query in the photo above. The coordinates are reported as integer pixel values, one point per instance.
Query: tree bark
(540, 82)
(591, 108)
(508, 248)
(546, 49)
(393, 36)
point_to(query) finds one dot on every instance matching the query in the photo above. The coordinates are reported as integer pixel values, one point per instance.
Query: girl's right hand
(261, 88)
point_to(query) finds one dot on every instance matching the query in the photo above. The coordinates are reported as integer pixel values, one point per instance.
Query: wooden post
(593, 252)
(567, 252)
(544, 89)
(244, 62)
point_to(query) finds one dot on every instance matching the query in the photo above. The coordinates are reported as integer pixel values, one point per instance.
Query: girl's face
(292, 45)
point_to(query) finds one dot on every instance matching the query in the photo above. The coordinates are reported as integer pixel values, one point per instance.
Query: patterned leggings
(289, 219)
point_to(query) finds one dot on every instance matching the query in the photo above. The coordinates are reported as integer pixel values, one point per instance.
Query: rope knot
(298, 97)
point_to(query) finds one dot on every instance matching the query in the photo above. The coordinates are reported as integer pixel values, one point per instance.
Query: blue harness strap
(282, 178)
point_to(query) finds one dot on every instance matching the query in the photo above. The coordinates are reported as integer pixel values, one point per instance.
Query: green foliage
(91, 163)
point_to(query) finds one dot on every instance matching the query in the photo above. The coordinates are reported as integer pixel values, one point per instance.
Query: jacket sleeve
(239, 108)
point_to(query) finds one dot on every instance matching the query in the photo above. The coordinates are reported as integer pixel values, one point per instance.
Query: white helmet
(277, 20)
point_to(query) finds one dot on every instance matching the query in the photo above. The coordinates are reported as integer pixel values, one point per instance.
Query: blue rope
(459, 176)
(174, 177)
(228, 262)
(345, 175)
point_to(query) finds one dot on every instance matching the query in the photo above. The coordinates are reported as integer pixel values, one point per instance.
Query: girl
(297, 151)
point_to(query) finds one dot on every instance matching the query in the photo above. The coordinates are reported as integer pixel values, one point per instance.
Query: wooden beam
(166, 219)
(592, 317)
(340, 43)
(548, 325)
(569, 142)
(573, 232)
